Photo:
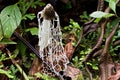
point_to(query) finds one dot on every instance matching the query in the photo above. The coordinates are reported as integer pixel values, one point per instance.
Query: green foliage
(6, 72)
(14, 71)
(33, 31)
(68, 5)
(24, 5)
(29, 16)
(12, 17)
(22, 52)
(10, 20)
(36, 3)
(118, 33)
(73, 28)
(1, 31)
(112, 5)
(100, 14)
(44, 77)
(77, 61)
(73, 25)
(11, 73)
(4, 57)
(79, 77)
(16, 15)
(7, 41)
(32, 56)
(86, 45)
(83, 53)
(90, 40)
(110, 26)
(85, 17)
(107, 0)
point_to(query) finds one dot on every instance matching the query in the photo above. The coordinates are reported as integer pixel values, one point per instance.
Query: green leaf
(107, 0)
(1, 32)
(115, 22)
(112, 5)
(29, 16)
(7, 73)
(44, 76)
(95, 67)
(1, 65)
(14, 70)
(10, 18)
(118, 33)
(74, 24)
(22, 49)
(2, 57)
(32, 56)
(33, 31)
(100, 14)
(7, 41)
(38, 2)
(97, 20)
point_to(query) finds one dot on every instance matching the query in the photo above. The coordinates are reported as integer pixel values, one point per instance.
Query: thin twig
(116, 43)
(107, 43)
(97, 53)
(80, 38)
(89, 56)
(78, 43)
(27, 44)
(105, 58)
(100, 5)
(18, 66)
(89, 73)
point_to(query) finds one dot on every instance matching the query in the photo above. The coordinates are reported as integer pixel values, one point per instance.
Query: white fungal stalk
(50, 44)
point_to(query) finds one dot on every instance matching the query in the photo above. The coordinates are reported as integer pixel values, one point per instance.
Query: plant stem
(18, 66)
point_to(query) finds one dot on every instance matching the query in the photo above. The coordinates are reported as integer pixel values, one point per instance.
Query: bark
(106, 64)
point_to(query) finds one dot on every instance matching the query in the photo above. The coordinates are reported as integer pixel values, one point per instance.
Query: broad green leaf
(33, 31)
(100, 14)
(97, 20)
(112, 5)
(10, 18)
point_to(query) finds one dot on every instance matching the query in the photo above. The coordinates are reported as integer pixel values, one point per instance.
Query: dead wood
(116, 74)
(74, 73)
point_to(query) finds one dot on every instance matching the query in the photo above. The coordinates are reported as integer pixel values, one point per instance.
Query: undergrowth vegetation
(16, 59)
